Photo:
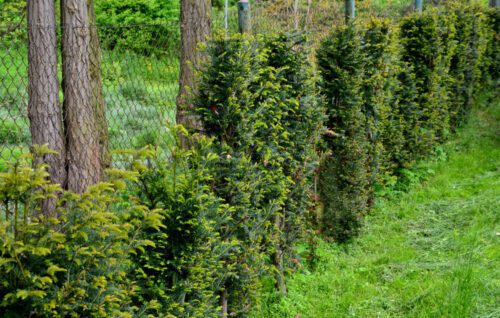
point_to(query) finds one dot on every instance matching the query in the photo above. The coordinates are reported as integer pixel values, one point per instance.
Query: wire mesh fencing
(137, 71)
(136, 68)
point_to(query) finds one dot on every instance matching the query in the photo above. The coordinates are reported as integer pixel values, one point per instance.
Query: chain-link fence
(138, 67)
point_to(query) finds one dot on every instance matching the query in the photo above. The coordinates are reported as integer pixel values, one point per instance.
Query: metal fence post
(244, 16)
(350, 10)
(419, 5)
(226, 14)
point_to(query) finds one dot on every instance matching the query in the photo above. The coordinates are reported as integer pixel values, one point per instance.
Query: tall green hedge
(257, 99)
(393, 93)
(344, 175)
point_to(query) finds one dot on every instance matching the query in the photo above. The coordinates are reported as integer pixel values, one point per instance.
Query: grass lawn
(433, 251)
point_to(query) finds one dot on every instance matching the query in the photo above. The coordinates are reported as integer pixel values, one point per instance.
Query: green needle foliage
(393, 94)
(74, 263)
(195, 234)
(344, 175)
(257, 99)
(182, 271)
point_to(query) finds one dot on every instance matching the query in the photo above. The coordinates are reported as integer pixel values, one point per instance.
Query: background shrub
(147, 26)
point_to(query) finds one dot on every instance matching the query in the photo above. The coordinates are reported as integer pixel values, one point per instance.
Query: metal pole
(350, 10)
(495, 3)
(419, 5)
(244, 16)
(226, 13)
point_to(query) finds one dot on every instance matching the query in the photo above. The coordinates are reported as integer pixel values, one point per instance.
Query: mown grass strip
(430, 252)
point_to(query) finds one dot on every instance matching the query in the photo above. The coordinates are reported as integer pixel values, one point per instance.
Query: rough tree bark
(195, 27)
(44, 111)
(83, 151)
(97, 101)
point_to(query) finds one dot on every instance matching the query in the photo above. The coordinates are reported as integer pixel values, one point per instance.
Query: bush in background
(147, 26)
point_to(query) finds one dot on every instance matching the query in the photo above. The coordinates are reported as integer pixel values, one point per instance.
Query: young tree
(82, 139)
(195, 27)
(44, 111)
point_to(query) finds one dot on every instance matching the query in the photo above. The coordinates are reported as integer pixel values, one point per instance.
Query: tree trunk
(419, 5)
(83, 151)
(223, 304)
(280, 283)
(350, 10)
(308, 10)
(97, 101)
(44, 110)
(195, 27)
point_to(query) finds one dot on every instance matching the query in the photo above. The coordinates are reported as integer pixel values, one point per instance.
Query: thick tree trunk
(97, 101)
(195, 27)
(43, 107)
(83, 151)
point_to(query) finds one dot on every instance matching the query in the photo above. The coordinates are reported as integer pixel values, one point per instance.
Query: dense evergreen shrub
(257, 100)
(182, 271)
(344, 175)
(382, 116)
(393, 93)
(76, 262)
(427, 46)
(491, 67)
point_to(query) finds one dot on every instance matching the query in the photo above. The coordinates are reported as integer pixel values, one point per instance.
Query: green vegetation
(431, 252)
(139, 92)
(393, 93)
(76, 262)
(206, 230)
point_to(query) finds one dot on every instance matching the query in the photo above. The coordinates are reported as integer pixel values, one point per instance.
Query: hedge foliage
(393, 93)
(143, 26)
(75, 263)
(196, 233)
(257, 98)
